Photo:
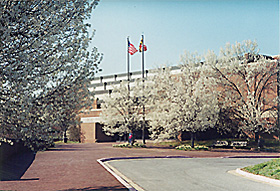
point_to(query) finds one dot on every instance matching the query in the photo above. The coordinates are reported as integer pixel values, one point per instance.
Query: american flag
(131, 48)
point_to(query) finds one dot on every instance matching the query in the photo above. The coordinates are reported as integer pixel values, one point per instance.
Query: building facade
(102, 86)
(91, 127)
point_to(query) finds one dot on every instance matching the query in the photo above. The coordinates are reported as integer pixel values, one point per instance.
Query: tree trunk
(192, 139)
(124, 137)
(65, 137)
(257, 139)
(143, 134)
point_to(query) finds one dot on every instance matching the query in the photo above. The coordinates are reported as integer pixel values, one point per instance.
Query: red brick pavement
(75, 167)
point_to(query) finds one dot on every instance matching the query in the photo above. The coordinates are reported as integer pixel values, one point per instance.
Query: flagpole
(143, 58)
(143, 127)
(128, 58)
(278, 94)
(128, 79)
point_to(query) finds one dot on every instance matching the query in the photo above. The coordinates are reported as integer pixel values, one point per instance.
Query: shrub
(189, 148)
(127, 145)
(75, 133)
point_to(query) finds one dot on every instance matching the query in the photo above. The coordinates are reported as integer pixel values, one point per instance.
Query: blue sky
(172, 27)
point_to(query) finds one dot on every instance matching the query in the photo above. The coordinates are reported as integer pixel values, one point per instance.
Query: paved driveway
(196, 174)
(74, 166)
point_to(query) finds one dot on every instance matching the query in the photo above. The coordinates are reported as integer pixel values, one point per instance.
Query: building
(102, 86)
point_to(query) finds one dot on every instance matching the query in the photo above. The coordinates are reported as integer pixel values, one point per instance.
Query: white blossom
(122, 111)
(247, 82)
(185, 102)
(45, 67)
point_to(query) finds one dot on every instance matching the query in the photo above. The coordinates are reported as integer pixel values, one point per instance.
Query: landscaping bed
(268, 145)
(189, 148)
(127, 145)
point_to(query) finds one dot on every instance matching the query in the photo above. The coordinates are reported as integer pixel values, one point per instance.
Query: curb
(111, 171)
(141, 157)
(131, 186)
(254, 156)
(258, 177)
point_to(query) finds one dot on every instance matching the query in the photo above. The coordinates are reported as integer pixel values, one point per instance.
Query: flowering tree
(185, 101)
(122, 110)
(248, 83)
(45, 67)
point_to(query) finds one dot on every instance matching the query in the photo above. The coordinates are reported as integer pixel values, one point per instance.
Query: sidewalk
(75, 167)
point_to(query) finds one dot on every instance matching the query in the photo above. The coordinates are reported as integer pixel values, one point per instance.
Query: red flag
(141, 45)
(131, 48)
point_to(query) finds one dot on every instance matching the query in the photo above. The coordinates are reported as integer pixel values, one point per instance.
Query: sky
(171, 27)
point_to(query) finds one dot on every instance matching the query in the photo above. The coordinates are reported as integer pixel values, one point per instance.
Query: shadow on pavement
(14, 167)
(115, 188)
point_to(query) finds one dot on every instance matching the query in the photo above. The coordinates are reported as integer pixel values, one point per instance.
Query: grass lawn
(269, 169)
